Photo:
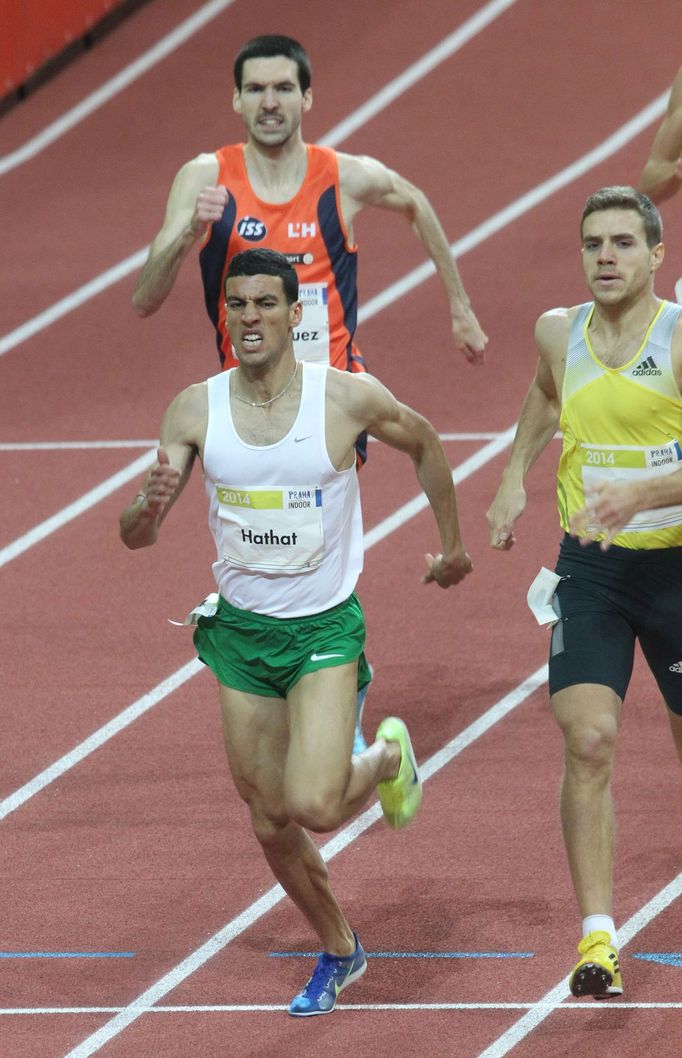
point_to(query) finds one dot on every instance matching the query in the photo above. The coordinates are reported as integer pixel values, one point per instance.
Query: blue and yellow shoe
(332, 974)
(400, 797)
(598, 972)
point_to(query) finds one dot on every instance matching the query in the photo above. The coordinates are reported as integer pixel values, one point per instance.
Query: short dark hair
(265, 263)
(627, 198)
(269, 46)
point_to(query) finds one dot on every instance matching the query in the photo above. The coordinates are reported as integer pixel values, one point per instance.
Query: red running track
(143, 846)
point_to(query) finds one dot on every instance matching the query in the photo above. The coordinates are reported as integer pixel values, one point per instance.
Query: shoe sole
(593, 980)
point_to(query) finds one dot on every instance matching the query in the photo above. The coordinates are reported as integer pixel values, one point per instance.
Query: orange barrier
(34, 31)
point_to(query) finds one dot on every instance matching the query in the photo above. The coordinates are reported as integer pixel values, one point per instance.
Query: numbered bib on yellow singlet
(633, 463)
(276, 529)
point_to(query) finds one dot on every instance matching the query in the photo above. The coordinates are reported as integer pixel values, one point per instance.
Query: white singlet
(287, 525)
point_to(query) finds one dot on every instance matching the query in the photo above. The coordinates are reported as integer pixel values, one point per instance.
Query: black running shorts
(607, 601)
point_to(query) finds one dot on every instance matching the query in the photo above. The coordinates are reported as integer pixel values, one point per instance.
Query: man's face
(270, 102)
(259, 319)
(618, 263)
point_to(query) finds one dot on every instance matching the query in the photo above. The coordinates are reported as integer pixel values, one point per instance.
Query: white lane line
(354, 121)
(459, 474)
(114, 85)
(67, 514)
(270, 899)
(99, 737)
(615, 142)
(73, 301)
(384, 98)
(58, 446)
(424, 66)
(412, 279)
(554, 998)
(167, 686)
(138, 466)
(258, 1008)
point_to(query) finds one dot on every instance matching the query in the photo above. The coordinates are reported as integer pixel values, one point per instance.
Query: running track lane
(550, 281)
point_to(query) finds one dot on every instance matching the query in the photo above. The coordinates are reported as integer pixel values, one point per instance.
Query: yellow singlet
(623, 424)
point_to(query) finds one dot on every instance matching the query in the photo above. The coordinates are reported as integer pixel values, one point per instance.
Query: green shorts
(267, 655)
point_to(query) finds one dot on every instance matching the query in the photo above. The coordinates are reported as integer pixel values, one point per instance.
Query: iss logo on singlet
(251, 229)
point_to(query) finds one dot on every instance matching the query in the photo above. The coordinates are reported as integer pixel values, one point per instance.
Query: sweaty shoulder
(552, 330)
(199, 171)
(360, 396)
(362, 177)
(187, 416)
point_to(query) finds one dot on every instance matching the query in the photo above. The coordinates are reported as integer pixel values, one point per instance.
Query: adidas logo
(647, 367)
(677, 667)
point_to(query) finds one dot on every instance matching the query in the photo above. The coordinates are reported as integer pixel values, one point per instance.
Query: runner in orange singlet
(309, 230)
(278, 192)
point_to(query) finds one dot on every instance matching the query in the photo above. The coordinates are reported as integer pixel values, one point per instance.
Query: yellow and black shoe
(598, 972)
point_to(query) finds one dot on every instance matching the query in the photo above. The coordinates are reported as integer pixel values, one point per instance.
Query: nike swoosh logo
(297, 440)
(323, 657)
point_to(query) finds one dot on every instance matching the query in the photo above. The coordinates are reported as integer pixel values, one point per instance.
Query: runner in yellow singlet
(609, 374)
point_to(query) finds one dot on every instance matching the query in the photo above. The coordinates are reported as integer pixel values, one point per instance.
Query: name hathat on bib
(271, 530)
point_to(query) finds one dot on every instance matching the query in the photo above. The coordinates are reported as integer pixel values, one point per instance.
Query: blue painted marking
(318, 497)
(67, 954)
(668, 958)
(414, 954)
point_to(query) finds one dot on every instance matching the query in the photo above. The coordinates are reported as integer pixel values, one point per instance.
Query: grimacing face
(270, 102)
(259, 318)
(617, 261)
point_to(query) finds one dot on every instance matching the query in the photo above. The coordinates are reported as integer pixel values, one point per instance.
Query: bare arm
(400, 427)
(662, 175)
(367, 182)
(180, 432)
(537, 425)
(194, 203)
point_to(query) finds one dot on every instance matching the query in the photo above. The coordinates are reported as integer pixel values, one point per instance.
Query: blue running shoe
(332, 974)
(359, 743)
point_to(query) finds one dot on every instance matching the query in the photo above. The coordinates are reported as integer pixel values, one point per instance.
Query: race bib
(632, 463)
(271, 530)
(311, 337)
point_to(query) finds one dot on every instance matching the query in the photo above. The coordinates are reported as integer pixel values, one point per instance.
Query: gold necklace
(263, 403)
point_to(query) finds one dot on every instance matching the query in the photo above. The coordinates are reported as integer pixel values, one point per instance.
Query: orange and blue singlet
(309, 231)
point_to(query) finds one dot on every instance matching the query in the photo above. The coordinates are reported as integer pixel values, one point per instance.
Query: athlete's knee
(591, 745)
(316, 810)
(269, 825)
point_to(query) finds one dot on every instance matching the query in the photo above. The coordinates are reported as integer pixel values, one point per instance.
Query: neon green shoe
(400, 797)
(598, 972)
